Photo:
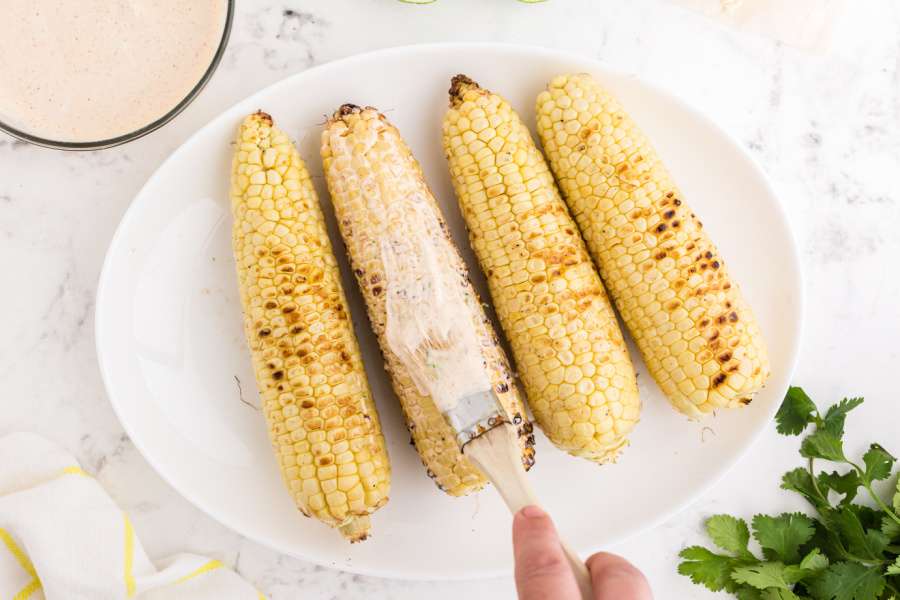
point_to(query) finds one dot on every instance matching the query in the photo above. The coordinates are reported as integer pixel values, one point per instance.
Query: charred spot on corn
(263, 117)
(458, 86)
(347, 109)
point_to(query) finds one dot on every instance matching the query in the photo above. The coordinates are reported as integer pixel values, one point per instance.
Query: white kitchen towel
(63, 538)
(805, 24)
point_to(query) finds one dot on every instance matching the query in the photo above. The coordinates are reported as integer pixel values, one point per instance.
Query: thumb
(615, 578)
(541, 568)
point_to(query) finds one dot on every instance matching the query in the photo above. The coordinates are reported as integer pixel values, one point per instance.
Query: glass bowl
(153, 126)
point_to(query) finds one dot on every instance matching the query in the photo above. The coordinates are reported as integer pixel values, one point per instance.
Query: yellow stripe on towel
(210, 566)
(28, 590)
(17, 552)
(129, 557)
(75, 470)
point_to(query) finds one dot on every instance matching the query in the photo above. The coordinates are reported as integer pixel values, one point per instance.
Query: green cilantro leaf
(896, 501)
(729, 534)
(878, 463)
(707, 568)
(823, 444)
(847, 484)
(828, 542)
(890, 527)
(796, 412)
(894, 569)
(748, 593)
(848, 581)
(814, 562)
(800, 481)
(794, 574)
(869, 517)
(867, 544)
(782, 536)
(834, 418)
(779, 594)
(762, 576)
(876, 541)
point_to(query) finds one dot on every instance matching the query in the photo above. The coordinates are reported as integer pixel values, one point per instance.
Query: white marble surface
(826, 128)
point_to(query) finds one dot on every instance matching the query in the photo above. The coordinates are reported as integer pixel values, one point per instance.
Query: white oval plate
(171, 347)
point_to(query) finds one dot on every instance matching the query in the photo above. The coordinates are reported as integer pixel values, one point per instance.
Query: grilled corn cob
(371, 173)
(698, 337)
(322, 421)
(567, 345)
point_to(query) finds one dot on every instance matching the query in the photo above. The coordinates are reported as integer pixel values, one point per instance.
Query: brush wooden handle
(498, 455)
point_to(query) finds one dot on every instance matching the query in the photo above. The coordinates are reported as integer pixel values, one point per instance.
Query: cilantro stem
(882, 505)
(866, 484)
(812, 476)
(864, 561)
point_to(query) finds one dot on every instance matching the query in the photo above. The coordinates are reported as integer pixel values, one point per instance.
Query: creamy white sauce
(431, 315)
(430, 325)
(88, 70)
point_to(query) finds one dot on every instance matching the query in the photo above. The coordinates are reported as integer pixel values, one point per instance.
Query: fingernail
(533, 512)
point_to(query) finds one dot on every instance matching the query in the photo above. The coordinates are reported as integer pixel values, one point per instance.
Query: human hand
(542, 572)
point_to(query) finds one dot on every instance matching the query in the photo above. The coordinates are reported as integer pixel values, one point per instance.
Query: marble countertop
(824, 126)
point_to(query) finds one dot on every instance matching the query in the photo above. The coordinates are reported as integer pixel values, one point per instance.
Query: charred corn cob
(372, 174)
(698, 337)
(567, 345)
(315, 396)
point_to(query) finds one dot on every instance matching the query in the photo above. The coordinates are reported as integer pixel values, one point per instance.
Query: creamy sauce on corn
(89, 70)
(430, 325)
(430, 319)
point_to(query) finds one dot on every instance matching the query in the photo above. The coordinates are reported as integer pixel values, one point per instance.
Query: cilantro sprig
(845, 551)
